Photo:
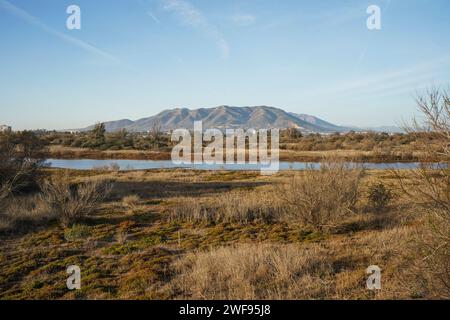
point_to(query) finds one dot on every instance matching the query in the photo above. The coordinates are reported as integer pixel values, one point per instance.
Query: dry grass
(331, 270)
(237, 206)
(131, 203)
(251, 246)
(253, 272)
(22, 213)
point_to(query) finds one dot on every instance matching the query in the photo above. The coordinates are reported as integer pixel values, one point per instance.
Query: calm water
(87, 164)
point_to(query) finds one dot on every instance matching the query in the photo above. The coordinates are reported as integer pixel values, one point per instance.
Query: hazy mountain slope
(113, 125)
(319, 122)
(226, 117)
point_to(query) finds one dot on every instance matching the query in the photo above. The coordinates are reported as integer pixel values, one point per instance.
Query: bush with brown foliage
(73, 202)
(321, 198)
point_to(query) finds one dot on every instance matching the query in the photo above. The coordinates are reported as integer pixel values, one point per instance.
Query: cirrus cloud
(189, 15)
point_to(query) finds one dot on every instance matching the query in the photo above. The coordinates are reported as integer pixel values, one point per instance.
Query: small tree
(97, 137)
(293, 133)
(156, 134)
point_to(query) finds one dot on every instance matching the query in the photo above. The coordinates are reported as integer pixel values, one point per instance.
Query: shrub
(321, 198)
(72, 202)
(22, 154)
(429, 188)
(379, 197)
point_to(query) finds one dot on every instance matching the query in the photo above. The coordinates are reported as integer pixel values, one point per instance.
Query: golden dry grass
(144, 254)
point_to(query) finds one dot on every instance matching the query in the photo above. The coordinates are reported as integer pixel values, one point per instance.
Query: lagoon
(126, 165)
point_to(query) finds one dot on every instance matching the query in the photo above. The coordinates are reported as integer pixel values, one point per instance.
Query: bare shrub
(72, 202)
(254, 272)
(321, 198)
(429, 188)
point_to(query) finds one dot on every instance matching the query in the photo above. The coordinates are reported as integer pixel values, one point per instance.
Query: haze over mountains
(258, 117)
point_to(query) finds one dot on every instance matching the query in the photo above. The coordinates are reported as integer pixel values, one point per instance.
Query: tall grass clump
(131, 203)
(21, 213)
(236, 206)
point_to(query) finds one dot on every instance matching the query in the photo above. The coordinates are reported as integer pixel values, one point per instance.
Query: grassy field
(158, 236)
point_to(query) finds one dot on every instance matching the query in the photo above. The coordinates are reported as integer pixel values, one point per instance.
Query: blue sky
(135, 58)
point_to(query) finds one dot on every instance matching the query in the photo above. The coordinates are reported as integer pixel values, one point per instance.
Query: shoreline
(68, 153)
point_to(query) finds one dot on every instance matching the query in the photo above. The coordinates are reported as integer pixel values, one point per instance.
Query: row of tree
(98, 138)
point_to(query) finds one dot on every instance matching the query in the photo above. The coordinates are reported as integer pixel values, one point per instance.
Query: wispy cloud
(393, 81)
(32, 20)
(243, 19)
(154, 18)
(189, 15)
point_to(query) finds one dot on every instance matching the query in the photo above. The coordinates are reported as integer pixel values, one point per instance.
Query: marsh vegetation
(170, 234)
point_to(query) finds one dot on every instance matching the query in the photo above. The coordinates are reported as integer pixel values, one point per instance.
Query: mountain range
(258, 117)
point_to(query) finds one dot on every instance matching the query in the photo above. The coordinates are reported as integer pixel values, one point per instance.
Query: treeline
(99, 139)
(361, 141)
(290, 139)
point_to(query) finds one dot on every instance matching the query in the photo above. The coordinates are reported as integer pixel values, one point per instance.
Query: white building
(5, 128)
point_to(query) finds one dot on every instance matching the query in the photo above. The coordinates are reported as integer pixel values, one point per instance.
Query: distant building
(5, 128)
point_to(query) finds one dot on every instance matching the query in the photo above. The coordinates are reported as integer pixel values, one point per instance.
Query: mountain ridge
(221, 117)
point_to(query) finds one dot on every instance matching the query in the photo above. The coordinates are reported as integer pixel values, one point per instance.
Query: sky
(134, 58)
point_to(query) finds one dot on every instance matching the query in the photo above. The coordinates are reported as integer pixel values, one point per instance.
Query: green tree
(97, 136)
